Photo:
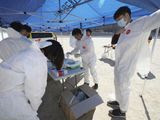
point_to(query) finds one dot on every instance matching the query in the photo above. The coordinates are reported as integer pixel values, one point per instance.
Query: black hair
(16, 25)
(27, 28)
(122, 11)
(54, 53)
(88, 30)
(76, 31)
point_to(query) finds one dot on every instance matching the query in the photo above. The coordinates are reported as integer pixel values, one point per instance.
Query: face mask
(122, 23)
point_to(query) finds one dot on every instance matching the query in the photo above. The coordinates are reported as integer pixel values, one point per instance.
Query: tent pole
(154, 43)
(1, 38)
(61, 37)
(2, 34)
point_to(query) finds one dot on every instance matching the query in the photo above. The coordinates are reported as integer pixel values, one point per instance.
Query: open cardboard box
(71, 82)
(74, 110)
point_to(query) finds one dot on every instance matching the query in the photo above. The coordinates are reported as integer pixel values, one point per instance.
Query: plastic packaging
(59, 73)
(72, 64)
(81, 96)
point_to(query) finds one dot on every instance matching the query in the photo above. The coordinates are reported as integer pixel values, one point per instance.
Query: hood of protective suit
(13, 33)
(13, 44)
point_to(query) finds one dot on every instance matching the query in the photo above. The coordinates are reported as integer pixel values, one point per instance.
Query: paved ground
(146, 109)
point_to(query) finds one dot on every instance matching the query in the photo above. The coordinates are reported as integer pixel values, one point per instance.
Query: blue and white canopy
(64, 15)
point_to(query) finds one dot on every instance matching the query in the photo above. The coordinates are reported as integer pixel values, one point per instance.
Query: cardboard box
(71, 82)
(74, 109)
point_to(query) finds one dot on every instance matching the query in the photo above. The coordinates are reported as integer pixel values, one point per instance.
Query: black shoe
(86, 83)
(95, 86)
(117, 113)
(113, 104)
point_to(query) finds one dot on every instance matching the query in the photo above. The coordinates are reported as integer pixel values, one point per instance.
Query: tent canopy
(64, 15)
(13, 10)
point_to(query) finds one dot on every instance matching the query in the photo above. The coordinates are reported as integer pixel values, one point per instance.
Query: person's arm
(152, 21)
(115, 39)
(74, 51)
(35, 81)
(149, 39)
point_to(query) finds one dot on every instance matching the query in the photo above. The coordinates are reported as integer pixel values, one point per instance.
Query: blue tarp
(54, 15)
(11, 10)
(150, 5)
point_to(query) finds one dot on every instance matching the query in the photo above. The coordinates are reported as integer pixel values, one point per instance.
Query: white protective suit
(72, 41)
(13, 44)
(131, 43)
(23, 79)
(87, 52)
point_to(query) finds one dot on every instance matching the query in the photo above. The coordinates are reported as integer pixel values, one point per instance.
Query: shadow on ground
(49, 109)
(118, 119)
(108, 61)
(149, 77)
(145, 108)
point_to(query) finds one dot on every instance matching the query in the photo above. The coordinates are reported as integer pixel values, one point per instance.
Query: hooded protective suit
(87, 52)
(13, 44)
(131, 43)
(23, 79)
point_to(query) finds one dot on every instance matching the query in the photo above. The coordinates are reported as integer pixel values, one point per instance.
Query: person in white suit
(23, 79)
(85, 45)
(131, 43)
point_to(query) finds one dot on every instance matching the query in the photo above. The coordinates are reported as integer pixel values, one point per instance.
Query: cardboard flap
(88, 90)
(85, 106)
(67, 96)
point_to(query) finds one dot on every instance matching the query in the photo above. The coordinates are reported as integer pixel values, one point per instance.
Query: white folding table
(70, 73)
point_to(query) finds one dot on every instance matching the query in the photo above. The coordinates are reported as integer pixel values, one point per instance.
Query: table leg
(63, 84)
(76, 80)
(61, 92)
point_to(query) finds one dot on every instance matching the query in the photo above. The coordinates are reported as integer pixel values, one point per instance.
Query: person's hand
(77, 55)
(113, 46)
(67, 54)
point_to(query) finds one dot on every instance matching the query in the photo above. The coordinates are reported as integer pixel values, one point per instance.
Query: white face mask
(122, 22)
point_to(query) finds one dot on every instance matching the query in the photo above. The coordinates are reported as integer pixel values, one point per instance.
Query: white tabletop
(71, 72)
